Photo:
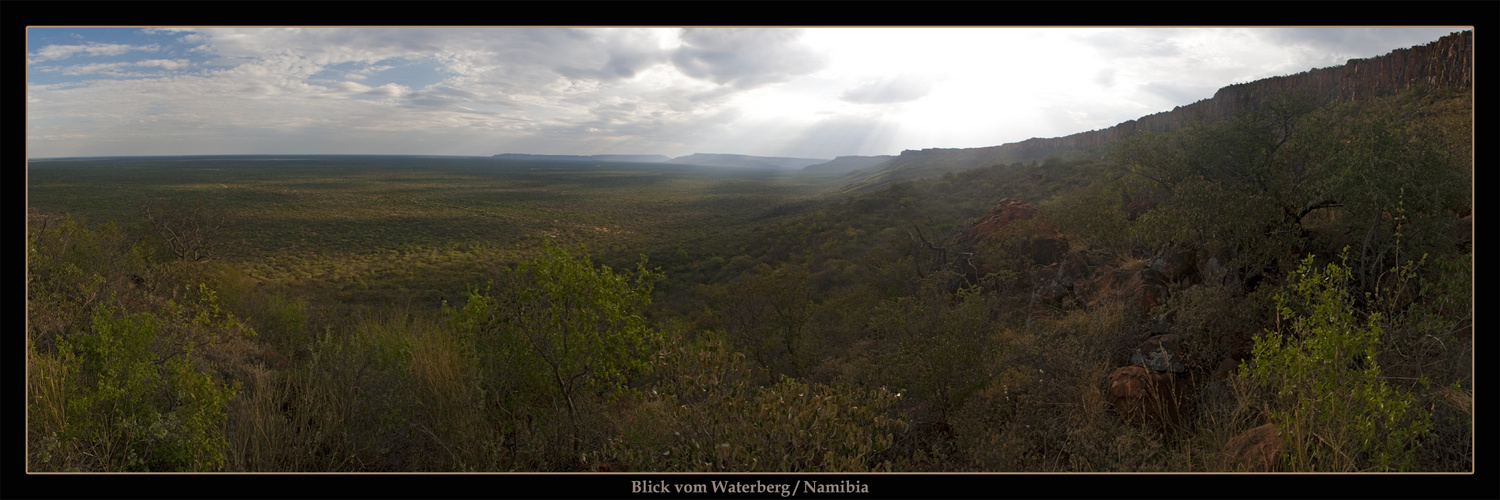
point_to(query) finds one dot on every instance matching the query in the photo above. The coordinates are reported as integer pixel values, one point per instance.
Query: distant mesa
(586, 158)
(745, 161)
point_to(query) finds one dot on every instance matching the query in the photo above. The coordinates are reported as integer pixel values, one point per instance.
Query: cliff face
(1445, 63)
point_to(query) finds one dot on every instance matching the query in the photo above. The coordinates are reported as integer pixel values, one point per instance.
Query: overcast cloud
(813, 92)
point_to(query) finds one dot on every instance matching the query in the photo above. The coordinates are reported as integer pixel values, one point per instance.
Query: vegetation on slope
(768, 329)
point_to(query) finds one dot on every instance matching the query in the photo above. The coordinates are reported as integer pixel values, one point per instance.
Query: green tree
(767, 312)
(1291, 173)
(562, 323)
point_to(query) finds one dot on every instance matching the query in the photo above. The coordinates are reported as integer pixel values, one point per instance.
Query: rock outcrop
(1016, 227)
(1255, 450)
(1143, 397)
(1161, 353)
(1138, 290)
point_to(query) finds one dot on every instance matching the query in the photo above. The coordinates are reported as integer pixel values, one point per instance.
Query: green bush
(709, 412)
(559, 330)
(135, 401)
(1327, 394)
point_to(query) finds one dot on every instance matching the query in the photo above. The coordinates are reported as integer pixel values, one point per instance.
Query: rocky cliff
(1447, 63)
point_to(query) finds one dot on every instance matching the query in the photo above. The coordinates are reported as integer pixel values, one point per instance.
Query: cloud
(166, 64)
(1179, 94)
(389, 90)
(1330, 46)
(903, 88)
(95, 69)
(1152, 43)
(745, 58)
(55, 52)
(1106, 77)
(625, 54)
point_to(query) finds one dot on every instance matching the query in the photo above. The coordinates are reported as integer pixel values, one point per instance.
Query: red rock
(1014, 226)
(1140, 290)
(1143, 397)
(273, 360)
(1255, 450)
(1227, 368)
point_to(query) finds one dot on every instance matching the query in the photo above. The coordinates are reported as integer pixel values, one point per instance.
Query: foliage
(135, 400)
(803, 331)
(766, 313)
(708, 412)
(941, 346)
(561, 325)
(1328, 396)
(1093, 216)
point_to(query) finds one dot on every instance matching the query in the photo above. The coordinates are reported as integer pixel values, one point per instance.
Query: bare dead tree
(189, 234)
(942, 260)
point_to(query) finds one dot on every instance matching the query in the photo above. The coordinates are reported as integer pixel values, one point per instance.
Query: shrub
(1327, 394)
(127, 396)
(709, 412)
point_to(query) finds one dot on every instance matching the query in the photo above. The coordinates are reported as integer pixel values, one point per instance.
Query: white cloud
(745, 57)
(167, 64)
(774, 91)
(55, 52)
(902, 88)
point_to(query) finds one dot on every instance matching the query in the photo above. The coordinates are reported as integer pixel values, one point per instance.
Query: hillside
(846, 164)
(1443, 64)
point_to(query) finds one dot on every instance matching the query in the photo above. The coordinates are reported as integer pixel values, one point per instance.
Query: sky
(786, 92)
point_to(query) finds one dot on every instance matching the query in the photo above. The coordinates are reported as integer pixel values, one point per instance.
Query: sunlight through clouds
(806, 92)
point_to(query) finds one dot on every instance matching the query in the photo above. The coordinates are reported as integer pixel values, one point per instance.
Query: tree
(1290, 172)
(767, 311)
(190, 234)
(562, 323)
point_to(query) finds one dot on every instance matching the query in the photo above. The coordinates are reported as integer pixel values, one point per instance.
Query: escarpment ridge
(1447, 63)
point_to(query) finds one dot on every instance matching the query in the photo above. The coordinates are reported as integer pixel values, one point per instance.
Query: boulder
(1214, 272)
(1162, 353)
(1227, 368)
(1053, 283)
(1255, 450)
(1014, 226)
(1139, 289)
(1143, 397)
(1176, 265)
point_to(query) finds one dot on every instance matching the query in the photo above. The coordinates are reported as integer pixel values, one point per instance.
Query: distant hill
(745, 161)
(846, 164)
(587, 158)
(1446, 63)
